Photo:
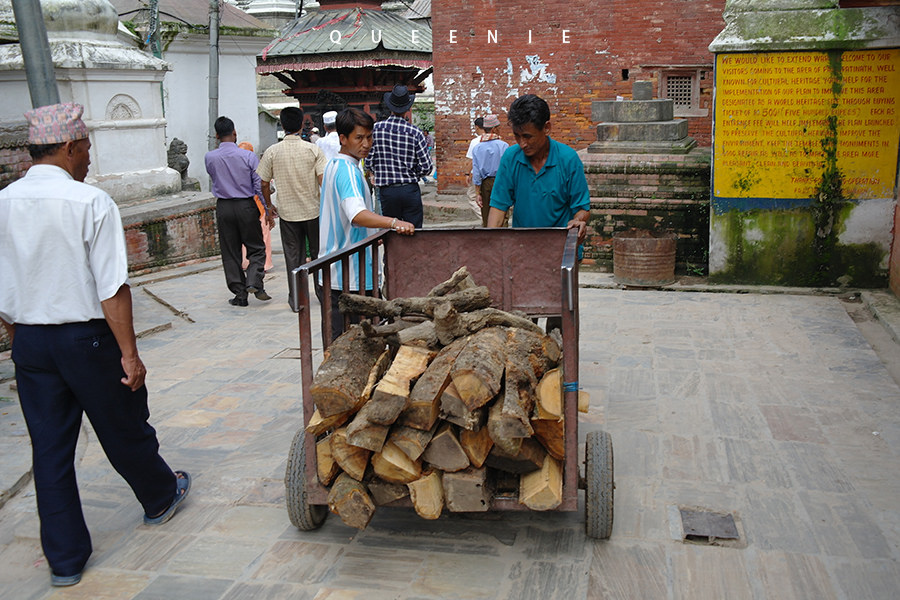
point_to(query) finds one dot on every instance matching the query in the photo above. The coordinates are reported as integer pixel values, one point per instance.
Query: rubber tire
(598, 494)
(303, 515)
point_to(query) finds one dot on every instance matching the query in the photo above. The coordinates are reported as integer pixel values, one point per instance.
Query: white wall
(187, 93)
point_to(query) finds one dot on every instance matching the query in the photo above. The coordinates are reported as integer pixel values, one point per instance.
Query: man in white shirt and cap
(330, 144)
(65, 302)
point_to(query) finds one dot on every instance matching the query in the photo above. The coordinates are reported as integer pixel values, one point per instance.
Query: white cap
(329, 117)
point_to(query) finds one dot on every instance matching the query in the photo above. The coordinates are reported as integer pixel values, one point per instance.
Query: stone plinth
(639, 126)
(653, 192)
(170, 230)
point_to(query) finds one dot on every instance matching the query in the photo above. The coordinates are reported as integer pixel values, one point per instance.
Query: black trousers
(238, 221)
(403, 201)
(294, 235)
(64, 371)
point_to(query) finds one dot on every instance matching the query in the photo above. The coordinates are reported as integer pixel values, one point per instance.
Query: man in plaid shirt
(399, 158)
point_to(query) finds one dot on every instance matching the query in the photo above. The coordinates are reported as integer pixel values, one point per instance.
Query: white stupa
(118, 85)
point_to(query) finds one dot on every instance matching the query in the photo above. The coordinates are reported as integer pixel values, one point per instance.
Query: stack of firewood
(447, 401)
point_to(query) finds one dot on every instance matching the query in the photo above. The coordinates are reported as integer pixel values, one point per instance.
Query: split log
(528, 356)
(542, 489)
(450, 324)
(549, 396)
(352, 459)
(470, 421)
(548, 420)
(369, 306)
(422, 334)
(460, 280)
(552, 434)
(467, 490)
(427, 495)
(478, 370)
(362, 432)
(425, 397)
(454, 410)
(476, 445)
(386, 329)
(394, 466)
(326, 467)
(342, 377)
(497, 426)
(444, 451)
(375, 374)
(529, 458)
(318, 424)
(383, 492)
(391, 395)
(349, 500)
(410, 440)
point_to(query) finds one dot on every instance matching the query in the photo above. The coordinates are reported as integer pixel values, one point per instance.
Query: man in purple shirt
(234, 184)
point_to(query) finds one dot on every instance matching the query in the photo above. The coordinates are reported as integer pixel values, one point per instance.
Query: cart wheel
(598, 495)
(303, 515)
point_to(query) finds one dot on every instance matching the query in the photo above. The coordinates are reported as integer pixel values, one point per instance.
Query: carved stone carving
(178, 160)
(122, 107)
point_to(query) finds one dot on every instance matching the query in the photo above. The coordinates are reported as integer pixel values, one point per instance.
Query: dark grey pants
(403, 201)
(294, 235)
(238, 221)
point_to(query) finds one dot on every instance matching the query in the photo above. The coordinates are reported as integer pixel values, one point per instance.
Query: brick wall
(475, 76)
(13, 164)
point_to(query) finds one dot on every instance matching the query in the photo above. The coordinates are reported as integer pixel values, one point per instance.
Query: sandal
(182, 487)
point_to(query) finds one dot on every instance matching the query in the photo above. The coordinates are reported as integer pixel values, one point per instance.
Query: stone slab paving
(772, 408)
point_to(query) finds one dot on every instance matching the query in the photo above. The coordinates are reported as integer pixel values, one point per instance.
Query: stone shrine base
(169, 230)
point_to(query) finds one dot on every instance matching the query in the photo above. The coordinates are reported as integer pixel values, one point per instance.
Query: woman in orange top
(267, 236)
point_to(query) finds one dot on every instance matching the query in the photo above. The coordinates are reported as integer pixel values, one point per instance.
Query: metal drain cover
(702, 525)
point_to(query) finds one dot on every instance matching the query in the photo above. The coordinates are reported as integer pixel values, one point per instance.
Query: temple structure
(347, 55)
(118, 85)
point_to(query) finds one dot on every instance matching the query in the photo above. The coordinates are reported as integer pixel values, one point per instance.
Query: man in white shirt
(66, 304)
(471, 188)
(330, 144)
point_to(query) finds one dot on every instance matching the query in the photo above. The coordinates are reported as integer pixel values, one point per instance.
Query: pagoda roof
(352, 37)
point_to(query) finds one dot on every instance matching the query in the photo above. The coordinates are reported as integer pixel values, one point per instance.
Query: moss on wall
(783, 247)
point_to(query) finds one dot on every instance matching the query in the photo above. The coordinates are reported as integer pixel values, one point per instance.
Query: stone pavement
(770, 407)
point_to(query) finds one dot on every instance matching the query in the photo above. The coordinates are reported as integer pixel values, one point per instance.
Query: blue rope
(570, 386)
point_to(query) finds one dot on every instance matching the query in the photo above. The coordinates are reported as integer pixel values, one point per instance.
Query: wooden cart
(531, 270)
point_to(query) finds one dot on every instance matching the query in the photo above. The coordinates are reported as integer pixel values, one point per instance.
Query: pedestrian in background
(65, 302)
(471, 190)
(485, 160)
(399, 158)
(264, 221)
(329, 144)
(234, 184)
(297, 166)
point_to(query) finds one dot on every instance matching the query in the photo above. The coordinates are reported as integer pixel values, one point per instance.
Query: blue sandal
(182, 487)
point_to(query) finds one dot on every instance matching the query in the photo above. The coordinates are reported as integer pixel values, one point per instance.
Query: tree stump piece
(349, 500)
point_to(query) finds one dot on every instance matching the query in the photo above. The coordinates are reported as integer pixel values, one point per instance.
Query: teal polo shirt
(549, 198)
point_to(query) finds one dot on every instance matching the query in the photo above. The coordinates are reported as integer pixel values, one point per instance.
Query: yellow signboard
(782, 118)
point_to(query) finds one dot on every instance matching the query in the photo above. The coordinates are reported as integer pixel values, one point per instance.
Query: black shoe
(238, 301)
(262, 295)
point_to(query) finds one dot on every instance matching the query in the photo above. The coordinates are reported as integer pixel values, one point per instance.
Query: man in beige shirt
(297, 166)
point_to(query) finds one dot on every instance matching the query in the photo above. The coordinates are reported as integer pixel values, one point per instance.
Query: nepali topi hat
(491, 121)
(56, 124)
(399, 99)
(329, 117)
